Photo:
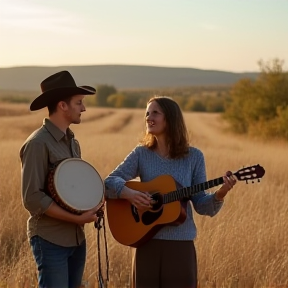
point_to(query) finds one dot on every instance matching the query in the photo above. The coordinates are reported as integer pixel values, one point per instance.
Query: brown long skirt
(165, 264)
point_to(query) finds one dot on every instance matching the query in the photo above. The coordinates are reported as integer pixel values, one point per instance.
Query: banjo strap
(100, 214)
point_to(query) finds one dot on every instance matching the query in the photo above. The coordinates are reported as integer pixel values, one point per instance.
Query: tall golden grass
(245, 245)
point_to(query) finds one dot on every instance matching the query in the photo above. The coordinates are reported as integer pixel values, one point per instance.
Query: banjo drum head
(78, 184)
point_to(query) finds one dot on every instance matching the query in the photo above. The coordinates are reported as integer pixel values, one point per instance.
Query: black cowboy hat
(57, 87)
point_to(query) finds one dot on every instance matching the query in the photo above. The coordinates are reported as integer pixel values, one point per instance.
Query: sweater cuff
(217, 200)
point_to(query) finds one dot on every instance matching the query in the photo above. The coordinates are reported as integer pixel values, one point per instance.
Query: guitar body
(131, 227)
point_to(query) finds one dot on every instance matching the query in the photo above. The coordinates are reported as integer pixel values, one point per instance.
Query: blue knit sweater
(188, 171)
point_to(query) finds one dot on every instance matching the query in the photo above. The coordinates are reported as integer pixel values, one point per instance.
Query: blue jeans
(58, 266)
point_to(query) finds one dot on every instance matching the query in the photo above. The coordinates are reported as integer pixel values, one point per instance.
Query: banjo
(75, 185)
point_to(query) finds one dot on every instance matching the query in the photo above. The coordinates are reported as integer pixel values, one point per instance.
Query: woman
(169, 258)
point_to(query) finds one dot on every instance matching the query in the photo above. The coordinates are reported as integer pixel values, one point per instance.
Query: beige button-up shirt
(43, 148)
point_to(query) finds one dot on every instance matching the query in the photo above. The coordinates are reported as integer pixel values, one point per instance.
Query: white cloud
(16, 14)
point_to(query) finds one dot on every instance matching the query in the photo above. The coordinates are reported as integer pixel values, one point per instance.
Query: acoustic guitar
(131, 227)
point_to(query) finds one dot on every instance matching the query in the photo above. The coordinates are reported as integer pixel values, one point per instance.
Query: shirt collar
(56, 132)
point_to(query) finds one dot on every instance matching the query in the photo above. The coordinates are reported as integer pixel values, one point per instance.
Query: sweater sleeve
(125, 171)
(204, 202)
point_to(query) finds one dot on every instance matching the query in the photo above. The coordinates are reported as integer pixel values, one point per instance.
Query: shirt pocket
(58, 152)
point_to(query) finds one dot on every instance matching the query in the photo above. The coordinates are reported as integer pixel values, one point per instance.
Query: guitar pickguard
(149, 217)
(135, 213)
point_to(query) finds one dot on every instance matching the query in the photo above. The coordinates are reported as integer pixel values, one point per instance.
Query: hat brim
(58, 94)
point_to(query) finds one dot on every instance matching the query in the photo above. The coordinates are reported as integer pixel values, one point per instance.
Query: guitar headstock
(250, 173)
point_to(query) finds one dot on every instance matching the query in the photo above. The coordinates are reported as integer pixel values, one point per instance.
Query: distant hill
(120, 76)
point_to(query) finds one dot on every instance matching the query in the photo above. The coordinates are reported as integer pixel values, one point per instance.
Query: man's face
(74, 108)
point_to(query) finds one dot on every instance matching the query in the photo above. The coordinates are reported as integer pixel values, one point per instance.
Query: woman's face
(155, 119)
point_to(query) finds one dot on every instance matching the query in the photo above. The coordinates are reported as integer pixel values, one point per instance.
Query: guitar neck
(187, 192)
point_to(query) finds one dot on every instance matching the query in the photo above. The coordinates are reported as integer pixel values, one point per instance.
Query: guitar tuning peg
(252, 182)
(246, 181)
(258, 180)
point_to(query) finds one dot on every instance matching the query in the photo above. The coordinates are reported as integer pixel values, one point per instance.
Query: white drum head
(78, 184)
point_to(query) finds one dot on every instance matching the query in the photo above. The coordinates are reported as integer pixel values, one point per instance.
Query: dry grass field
(245, 245)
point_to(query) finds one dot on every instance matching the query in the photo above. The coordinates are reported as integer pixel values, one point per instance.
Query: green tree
(215, 104)
(102, 94)
(260, 106)
(195, 104)
(116, 100)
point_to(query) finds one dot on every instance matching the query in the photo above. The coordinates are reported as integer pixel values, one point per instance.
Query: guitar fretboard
(187, 192)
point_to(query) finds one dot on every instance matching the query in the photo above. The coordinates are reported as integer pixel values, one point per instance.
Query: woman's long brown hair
(176, 132)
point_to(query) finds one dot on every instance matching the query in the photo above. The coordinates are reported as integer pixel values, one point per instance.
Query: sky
(228, 35)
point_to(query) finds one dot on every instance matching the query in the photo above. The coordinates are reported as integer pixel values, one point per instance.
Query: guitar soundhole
(148, 217)
(157, 201)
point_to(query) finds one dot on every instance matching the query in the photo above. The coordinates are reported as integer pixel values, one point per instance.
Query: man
(56, 236)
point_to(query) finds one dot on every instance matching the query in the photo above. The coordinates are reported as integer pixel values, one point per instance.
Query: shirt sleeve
(34, 158)
(125, 171)
(204, 202)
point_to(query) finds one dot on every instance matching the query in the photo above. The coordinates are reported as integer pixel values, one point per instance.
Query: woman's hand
(141, 200)
(229, 182)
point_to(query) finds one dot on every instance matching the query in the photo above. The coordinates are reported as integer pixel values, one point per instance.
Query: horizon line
(130, 65)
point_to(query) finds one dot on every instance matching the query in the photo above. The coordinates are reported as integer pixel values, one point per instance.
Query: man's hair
(176, 132)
